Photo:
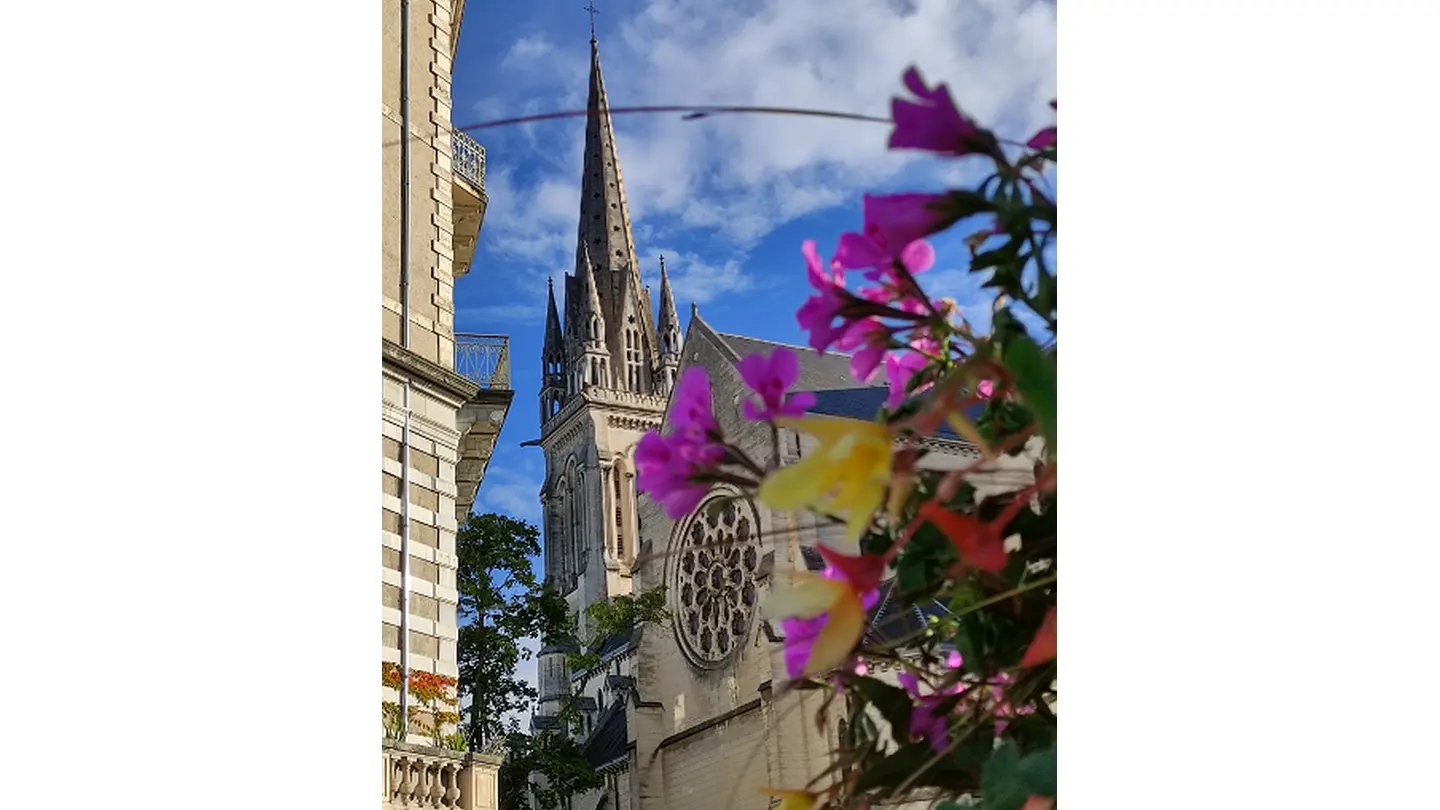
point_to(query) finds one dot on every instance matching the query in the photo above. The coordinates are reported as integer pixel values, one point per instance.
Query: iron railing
(468, 158)
(484, 359)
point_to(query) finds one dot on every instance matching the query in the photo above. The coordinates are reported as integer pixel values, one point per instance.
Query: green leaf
(893, 704)
(1008, 780)
(894, 769)
(1034, 373)
(1003, 255)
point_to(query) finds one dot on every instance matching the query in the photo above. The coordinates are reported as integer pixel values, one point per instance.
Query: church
(693, 713)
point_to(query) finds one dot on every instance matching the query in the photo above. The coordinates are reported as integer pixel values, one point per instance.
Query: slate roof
(615, 642)
(864, 403)
(817, 371)
(611, 739)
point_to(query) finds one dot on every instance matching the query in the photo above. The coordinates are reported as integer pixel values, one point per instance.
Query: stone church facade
(691, 714)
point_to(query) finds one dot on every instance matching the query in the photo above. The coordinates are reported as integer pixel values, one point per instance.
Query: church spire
(552, 356)
(590, 354)
(668, 332)
(604, 227)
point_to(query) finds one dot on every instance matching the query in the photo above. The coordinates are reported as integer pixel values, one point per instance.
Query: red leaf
(863, 572)
(979, 544)
(1042, 647)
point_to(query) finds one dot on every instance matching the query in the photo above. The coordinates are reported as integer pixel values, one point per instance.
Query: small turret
(592, 358)
(552, 383)
(668, 332)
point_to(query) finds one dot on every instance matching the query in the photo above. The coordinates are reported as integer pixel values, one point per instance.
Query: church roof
(864, 403)
(817, 371)
(611, 738)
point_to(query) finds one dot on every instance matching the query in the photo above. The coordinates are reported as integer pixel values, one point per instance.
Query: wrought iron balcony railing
(484, 359)
(468, 158)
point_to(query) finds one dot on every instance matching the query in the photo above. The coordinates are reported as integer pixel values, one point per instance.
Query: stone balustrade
(419, 776)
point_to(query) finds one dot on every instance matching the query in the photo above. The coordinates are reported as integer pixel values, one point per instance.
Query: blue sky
(726, 200)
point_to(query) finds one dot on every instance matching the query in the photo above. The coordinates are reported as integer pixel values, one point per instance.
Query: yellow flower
(810, 595)
(791, 799)
(846, 476)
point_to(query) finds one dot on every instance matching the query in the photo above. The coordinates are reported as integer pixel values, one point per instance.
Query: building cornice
(436, 375)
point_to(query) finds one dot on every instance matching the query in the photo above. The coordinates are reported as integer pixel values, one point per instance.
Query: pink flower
(986, 389)
(664, 468)
(690, 409)
(875, 249)
(933, 123)
(927, 722)
(770, 377)
(866, 340)
(902, 366)
(1045, 137)
(817, 315)
(901, 219)
(800, 634)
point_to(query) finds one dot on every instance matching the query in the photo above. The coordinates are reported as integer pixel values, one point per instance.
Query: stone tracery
(715, 561)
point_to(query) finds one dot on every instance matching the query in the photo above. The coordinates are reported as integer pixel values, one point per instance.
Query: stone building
(690, 714)
(444, 396)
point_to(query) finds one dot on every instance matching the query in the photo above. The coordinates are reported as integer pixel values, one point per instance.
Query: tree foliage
(502, 602)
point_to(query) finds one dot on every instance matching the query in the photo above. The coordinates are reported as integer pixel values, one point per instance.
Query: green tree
(501, 603)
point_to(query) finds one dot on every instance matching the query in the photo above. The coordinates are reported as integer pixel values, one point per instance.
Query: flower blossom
(817, 315)
(933, 123)
(847, 475)
(901, 367)
(1044, 138)
(867, 340)
(823, 615)
(927, 722)
(905, 218)
(666, 466)
(771, 377)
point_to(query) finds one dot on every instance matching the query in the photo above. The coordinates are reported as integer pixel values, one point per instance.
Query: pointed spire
(669, 318)
(554, 338)
(604, 226)
(592, 313)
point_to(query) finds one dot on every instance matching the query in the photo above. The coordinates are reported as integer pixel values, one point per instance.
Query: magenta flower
(1045, 137)
(901, 219)
(817, 315)
(927, 722)
(867, 340)
(873, 249)
(771, 377)
(933, 123)
(902, 366)
(800, 633)
(665, 468)
(690, 409)
(986, 389)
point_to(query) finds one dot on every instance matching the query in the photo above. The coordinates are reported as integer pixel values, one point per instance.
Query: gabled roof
(611, 739)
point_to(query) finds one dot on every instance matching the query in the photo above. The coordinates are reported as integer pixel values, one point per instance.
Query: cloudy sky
(727, 200)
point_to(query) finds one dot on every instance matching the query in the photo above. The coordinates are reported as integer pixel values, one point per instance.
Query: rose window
(716, 559)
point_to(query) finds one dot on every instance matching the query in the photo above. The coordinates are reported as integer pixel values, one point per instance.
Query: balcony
(422, 776)
(468, 197)
(484, 359)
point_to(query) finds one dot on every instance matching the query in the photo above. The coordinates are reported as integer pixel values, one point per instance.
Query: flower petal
(799, 484)
(805, 597)
(860, 500)
(839, 636)
(831, 429)
(1042, 647)
(918, 256)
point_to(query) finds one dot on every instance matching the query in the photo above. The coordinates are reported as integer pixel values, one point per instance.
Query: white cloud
(693, 278)
(526, 51)
(748, 174)
(510, 491)
(743, 176)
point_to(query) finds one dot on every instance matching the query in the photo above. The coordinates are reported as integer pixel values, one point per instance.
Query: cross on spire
(590, 7)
